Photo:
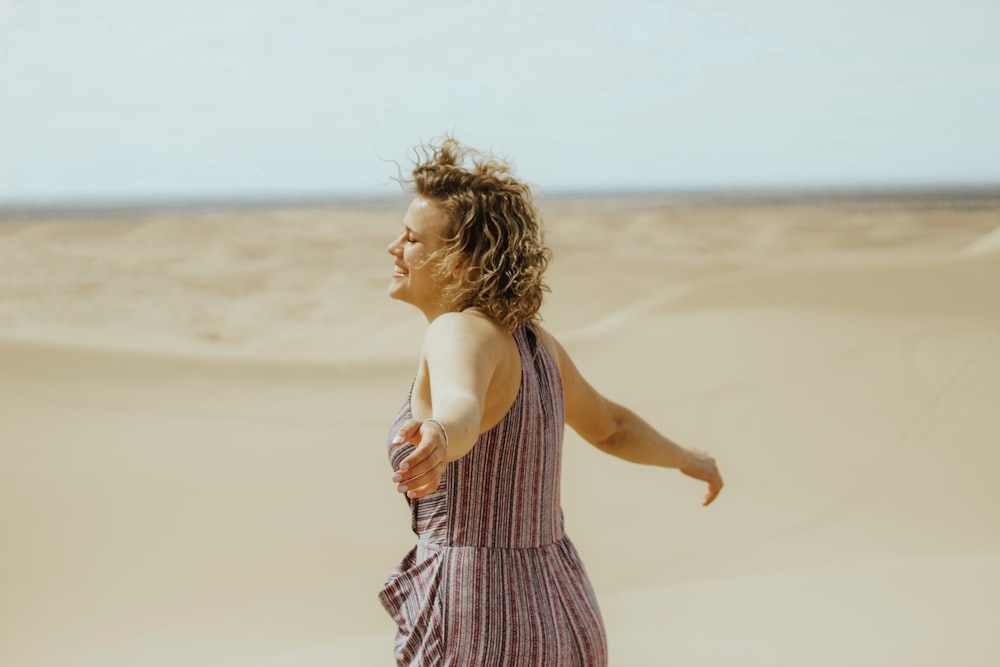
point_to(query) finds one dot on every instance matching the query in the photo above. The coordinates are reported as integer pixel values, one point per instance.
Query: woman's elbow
(609, 438)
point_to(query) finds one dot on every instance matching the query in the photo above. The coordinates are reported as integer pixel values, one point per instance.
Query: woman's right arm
(617, 430)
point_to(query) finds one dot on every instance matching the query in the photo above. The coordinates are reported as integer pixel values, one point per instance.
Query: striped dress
(493, 580)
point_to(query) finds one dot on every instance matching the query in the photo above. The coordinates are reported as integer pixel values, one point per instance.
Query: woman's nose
(393, 248)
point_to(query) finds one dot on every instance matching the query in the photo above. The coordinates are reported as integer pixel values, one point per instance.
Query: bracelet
(440, 426)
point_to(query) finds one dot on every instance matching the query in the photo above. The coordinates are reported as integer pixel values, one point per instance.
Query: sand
(193, 405)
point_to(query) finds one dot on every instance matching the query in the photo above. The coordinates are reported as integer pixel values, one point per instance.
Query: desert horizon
(962, 195)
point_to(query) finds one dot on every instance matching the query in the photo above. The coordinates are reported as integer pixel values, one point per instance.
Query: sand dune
(194, 410)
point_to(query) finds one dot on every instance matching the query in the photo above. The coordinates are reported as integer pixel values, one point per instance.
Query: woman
(476, 447)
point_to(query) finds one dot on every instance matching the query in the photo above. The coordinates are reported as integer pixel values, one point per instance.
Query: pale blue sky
(111, 99)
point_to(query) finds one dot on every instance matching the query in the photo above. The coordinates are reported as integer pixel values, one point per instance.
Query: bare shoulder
(465, 330)
(467, 322)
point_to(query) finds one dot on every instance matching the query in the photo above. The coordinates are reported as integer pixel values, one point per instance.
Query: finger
(431, 443)
(423, 458)
(426, 483)
(417, 494)
(714, 487)
(419, 461)
(412, 468)
(407, 432)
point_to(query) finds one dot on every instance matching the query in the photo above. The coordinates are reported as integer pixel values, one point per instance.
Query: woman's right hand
(420, 472)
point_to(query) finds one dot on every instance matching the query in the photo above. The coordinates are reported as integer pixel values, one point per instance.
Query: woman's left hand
(703, 467)
(420, 473)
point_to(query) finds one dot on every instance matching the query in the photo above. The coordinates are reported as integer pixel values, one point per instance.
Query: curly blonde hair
(494, 253)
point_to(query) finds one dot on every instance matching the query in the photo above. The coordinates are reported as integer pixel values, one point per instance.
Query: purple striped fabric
(493, 580)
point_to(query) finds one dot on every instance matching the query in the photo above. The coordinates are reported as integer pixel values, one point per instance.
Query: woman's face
(413, 275)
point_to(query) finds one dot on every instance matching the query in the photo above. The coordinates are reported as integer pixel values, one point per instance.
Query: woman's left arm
(460, 350)
(617, 430)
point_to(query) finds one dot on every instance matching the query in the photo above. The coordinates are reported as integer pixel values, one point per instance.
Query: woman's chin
(394, 291)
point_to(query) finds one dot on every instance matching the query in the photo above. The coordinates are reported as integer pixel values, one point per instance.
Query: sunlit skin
(412, 272)
(472, 369)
